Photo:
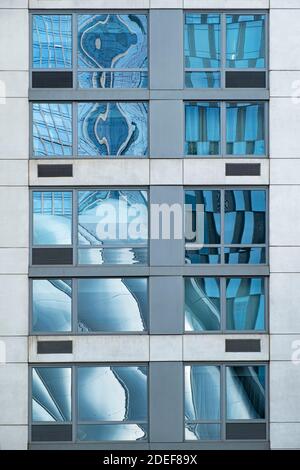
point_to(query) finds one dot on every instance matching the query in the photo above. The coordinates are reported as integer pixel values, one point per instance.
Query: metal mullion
(74, 226)
(73, 403)
(223, 304)
(74, 305)
(223, 401)
(222, 212)
(74, 129)
(74, 49)
(223, 145)
(223, 50)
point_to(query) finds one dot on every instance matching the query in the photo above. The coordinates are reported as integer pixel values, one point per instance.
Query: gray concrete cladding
(166, 348)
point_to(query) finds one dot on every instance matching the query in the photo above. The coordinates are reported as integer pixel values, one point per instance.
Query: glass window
(52, 41)
(202, 128)
(52, 218)
(202, 304)
(51, 305)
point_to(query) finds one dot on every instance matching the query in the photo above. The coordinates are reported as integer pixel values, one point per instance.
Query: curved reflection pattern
(202, 432)
(51, 394)
(202, 128)
(112, 304)
(245, 392)
(111, 432)
(52, 41)
(245, 304)
(112, 394)
(112, 129)
(211, 200)
(51, 305)
(202, 393)
(202, 304)
(52, 218)
(202, 40)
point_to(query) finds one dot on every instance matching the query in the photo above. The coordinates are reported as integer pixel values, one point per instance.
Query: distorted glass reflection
(112, 304)
(51, 305)
(245, 304)
(202, 432)
(202, 304)
(245, 255)
(245, 392)
(121, 79)
(112, 432)
(202, 128)
(202, 79)
(133, 255)
(202, 40)
(52, 218)
(203, 256)
(211, 200)
(202, 393)
(51, 394)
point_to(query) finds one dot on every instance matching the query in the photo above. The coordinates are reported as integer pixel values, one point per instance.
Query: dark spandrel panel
(112, 304)
(55, 171)
(202, 80)
(51, 305)
(137, 79)
(52, 80)
(54, 347)
(245, 392)
(202, 432)
(112, 393)
(202, 40)
(202, 128)
(253, 431)
(51, 433)
(203, 256)
(245, 217)
(51, 256)
(51, 394)
(245, 255)
(112, 432)
(113, 256)
(52, 41)
(52, 129)
(246, 79)
(202, 304)
(242, 345)
(112, 41)
(208, 201)
(242, 169)
(202, 393)
(115, 128)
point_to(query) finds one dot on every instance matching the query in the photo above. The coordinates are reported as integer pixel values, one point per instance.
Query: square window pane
(52, 41)
(51, 305)
(245, 44)
(202, 304)
(245, 304)
(208, 201)
(113, 128)
(51, 394)
(52, 218)
(245, 392)
(202, 128)
(202, 40)
(202, 393)
(202, 432)
(245, 128)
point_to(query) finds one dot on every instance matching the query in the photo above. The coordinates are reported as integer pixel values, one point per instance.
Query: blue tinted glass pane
(135, 255)
(245, 45)
(112, 432)
(51, 394)
(245, 255)
(112, 129)
(203, 256)
(245, 129)
(51, 305)
(202, 432)
(202, 304)
(52, 218)
(112, 217)
(202, 393)
(208, 201)
(202, 40)
(112, 393)
(202, 128)
(245, 217)
(113, 79)
(112, 304)
(245, 304)
(52, 129)
(112, 41)
(202, 80)
(52, 41)
(245, 392)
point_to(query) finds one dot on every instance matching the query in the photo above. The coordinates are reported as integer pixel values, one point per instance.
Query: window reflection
(202, 128)
(202, 304)
(202, 40)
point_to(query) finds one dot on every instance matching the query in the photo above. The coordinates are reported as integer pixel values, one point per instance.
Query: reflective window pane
(52, 218)
(202, 304)
(51, 394)
(245, 255)
(107, 79)
(112, 432)
(112, 304)
(202, 40)
(245, 304)
(245, 217)
(202, 393)
(202, 128)
(245, 392)
(245, 44)
(202, 80)
(202, 432)
(209, 202)
(112, 393)
(52, 41)
(133, 255)
(115, 128)
(51, 305)
(52, 129)
(203, 256)
(245, 128)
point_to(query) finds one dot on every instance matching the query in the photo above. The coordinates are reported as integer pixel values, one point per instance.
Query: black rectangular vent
(52, 80)
(242, 345)
(54, 347)
(50, 256)
(51, 432)
(55, 171)
(242, 169)
(242, 431)
(245, 80)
